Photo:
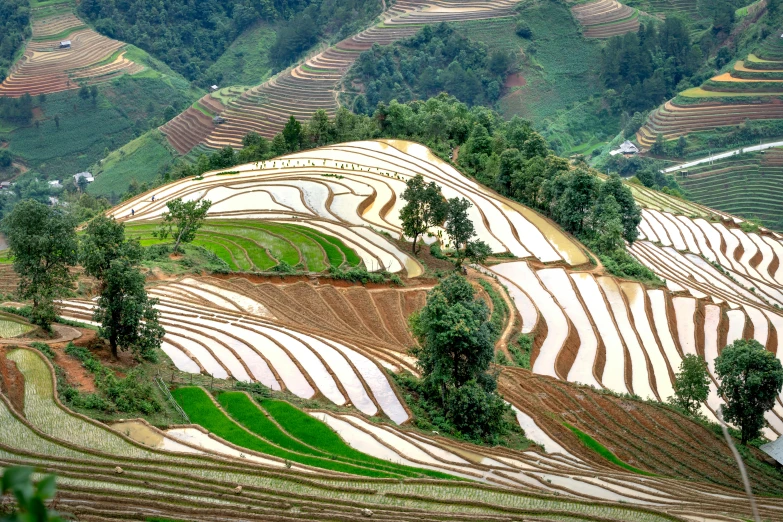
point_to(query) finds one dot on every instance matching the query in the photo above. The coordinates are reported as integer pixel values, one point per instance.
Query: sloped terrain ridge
(353, 190)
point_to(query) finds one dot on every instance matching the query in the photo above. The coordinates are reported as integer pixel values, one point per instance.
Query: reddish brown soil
(11, 382)
(647, 436)
(515, 80)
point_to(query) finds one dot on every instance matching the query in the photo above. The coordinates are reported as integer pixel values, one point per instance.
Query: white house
(626, 148)
(85, 175)
(65, 44)
(55, 183)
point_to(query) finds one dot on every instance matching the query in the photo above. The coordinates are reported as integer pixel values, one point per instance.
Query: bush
(476, 412)
(523, 30)
(44, 349)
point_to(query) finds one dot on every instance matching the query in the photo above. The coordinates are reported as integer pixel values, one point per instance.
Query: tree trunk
(179, 238)
(413, 246)
(113, 344)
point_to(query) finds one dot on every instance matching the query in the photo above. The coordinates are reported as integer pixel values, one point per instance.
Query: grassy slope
(558, 66)
(125, 108)
(258, 246)
(142, 159)
(246, 61)
(201, 410)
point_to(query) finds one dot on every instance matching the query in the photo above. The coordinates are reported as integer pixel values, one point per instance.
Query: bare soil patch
(515, 80)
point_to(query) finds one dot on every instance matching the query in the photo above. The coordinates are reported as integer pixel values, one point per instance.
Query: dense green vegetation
(190, 37)
(130, 394)
(644, 69)
(185, 35)
(435, 59)
(750, 380)
(456, 346)
(14, 30)
(203, 411)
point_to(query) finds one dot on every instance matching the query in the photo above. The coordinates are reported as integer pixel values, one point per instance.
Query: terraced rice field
(746, 185)
(105, 475)
(600, 331)
(224, 329)
(606, 18)
(352, 190)
(313, 84)
(759, 79)
(257, 246)
(714, 263)
(46, 68)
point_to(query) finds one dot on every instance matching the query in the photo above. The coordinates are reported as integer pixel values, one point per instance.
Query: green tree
(691, 384)
(425, 208)
(606, 226)
(630, 215)
(460, 229)
(751, 379)
(456, 346)
(127, 315)
(84, 92)
(292, 134)
(43, 244)
(57, 121)
(30, 497)
(182, 220)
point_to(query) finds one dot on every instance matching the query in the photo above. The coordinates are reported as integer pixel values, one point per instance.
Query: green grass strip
(247, 413)
(333, 254)
(279, 247)
(250, 415)
(220, 251)
(311, 250)
(316, 433)
(351, 257)
(201, 410)
(602, 450)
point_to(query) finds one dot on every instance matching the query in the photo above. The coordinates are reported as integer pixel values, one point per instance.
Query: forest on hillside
(14, 29)
(190, 35)
(434, 60)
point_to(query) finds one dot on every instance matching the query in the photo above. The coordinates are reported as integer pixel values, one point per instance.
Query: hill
(603, 352)
(91, 96)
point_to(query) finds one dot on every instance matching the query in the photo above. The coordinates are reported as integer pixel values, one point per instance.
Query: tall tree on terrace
(692, 384)
(425, 208)
(460, 229)
(456, 345)
(182, 220)
(128, 317)
(751, 379)
(42, 240)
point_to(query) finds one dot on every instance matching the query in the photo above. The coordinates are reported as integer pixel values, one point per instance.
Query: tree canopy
(14, 30)
(691, 384)
(42, 240)
(750, 380)
(456, 347)
(435, 59)
(182, 220)
(127, 316)
(425, 207)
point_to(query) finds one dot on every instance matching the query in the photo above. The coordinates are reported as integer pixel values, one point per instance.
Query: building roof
(774, 449)
(85, 175)
(65, 42)
(628, 148)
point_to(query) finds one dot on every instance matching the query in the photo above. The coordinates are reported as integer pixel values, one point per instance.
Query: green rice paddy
(253, 246)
